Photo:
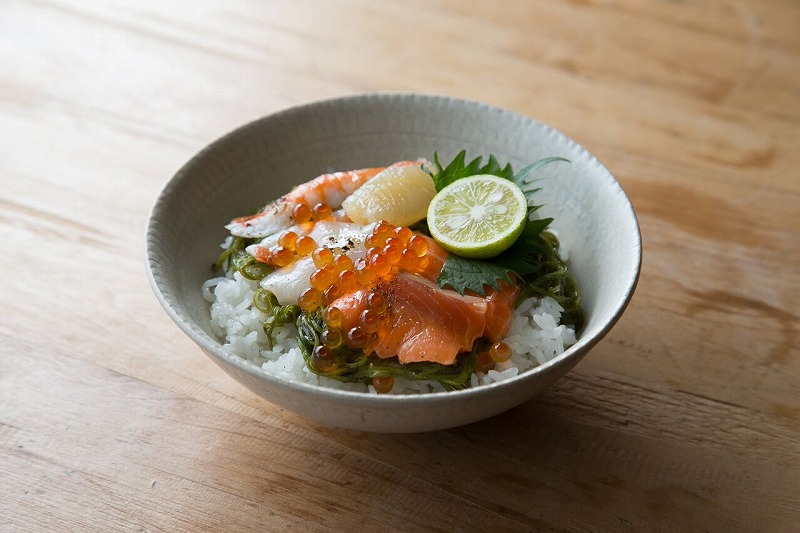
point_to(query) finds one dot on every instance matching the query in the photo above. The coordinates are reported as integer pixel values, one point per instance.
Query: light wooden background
(686, 418)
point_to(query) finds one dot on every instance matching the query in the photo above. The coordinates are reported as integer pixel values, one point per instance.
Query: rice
(536, 336)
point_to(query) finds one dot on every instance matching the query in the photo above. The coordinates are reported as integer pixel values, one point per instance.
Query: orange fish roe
(369, 320)
(500, 352)
(403, 234)
(280, 255)
(322, 211)
(322, 257)
(288, 240)
(332, 338)
(377, 302)
(342, 263)
(422, 265)
(364, 273)
(418, 245)
(408, 260)
(322, 278)
(305, 245)
(392, 251)
(330, 294)
(380, 265)
(348, 280)
(310, 299)
(301, 213)
(324, 359)
(383, 229)
(382, 385)
(357, 337)
(333, 317)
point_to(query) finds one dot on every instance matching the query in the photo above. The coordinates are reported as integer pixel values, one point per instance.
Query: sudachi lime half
(479, 216)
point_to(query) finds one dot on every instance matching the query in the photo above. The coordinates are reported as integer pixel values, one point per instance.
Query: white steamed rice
(535, 337)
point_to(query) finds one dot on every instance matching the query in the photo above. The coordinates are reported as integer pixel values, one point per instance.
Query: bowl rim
(214, 349)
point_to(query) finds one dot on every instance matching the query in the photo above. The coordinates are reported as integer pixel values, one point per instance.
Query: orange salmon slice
(426, 323)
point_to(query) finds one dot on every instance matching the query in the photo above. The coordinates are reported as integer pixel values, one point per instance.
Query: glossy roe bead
(301, 213)
(310, 299)
(281, 256)
(333, 317)
(418, 244)
(356, 337)
(305, 245)
(382, 385)
(332, 338)
(380, 265)
(321, 257)
(322, 211)
(324, 358)
(287, 240)
(369, 320)
(500, 352)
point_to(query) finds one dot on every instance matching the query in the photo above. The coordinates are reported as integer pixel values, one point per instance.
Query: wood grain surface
(685, 418)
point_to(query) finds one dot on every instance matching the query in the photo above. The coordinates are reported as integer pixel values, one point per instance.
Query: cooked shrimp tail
(330, 189)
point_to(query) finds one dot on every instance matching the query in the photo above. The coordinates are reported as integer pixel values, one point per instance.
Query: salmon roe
(305, 245)
(380, 265)
(333, 317)
(332, 338)
(369, 320)
(288, 240)
(322, 257)
(301, 213)
(322, 278)
(364, 274)
(348, 280)
(342, 263)
(392, 251)
(403, 234)
(310, 299)
(418, 244)
(383, 229)
(322, 211)
(280, 255)
(382, 384)
(324, 358)
(377, 302)
(408, 260)
(356, 337)
(500, 352)
(331, 294)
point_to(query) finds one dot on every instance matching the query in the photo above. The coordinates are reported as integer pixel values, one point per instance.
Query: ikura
(302, 212)
(383, 385)
(289, 248)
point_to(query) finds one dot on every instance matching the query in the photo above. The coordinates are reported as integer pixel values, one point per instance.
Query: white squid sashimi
(287, 283)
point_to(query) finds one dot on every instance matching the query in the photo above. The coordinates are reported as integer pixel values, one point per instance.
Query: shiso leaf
(458, 168)
(462, 274)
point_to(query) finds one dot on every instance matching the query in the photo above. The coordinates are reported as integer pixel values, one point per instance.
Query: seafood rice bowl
(384, 303)
(417, 277)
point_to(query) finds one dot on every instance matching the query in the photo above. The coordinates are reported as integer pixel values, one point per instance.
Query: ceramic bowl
(265, 158)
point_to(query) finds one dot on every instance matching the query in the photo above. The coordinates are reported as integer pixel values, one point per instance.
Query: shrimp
(331, 189)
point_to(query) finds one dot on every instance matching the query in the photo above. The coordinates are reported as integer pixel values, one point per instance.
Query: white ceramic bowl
(264, 159)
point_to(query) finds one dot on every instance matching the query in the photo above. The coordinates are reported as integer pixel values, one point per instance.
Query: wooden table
(685, 418)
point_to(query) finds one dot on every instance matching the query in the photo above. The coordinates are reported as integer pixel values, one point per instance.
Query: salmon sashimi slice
(501, 303)
(423, 322)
